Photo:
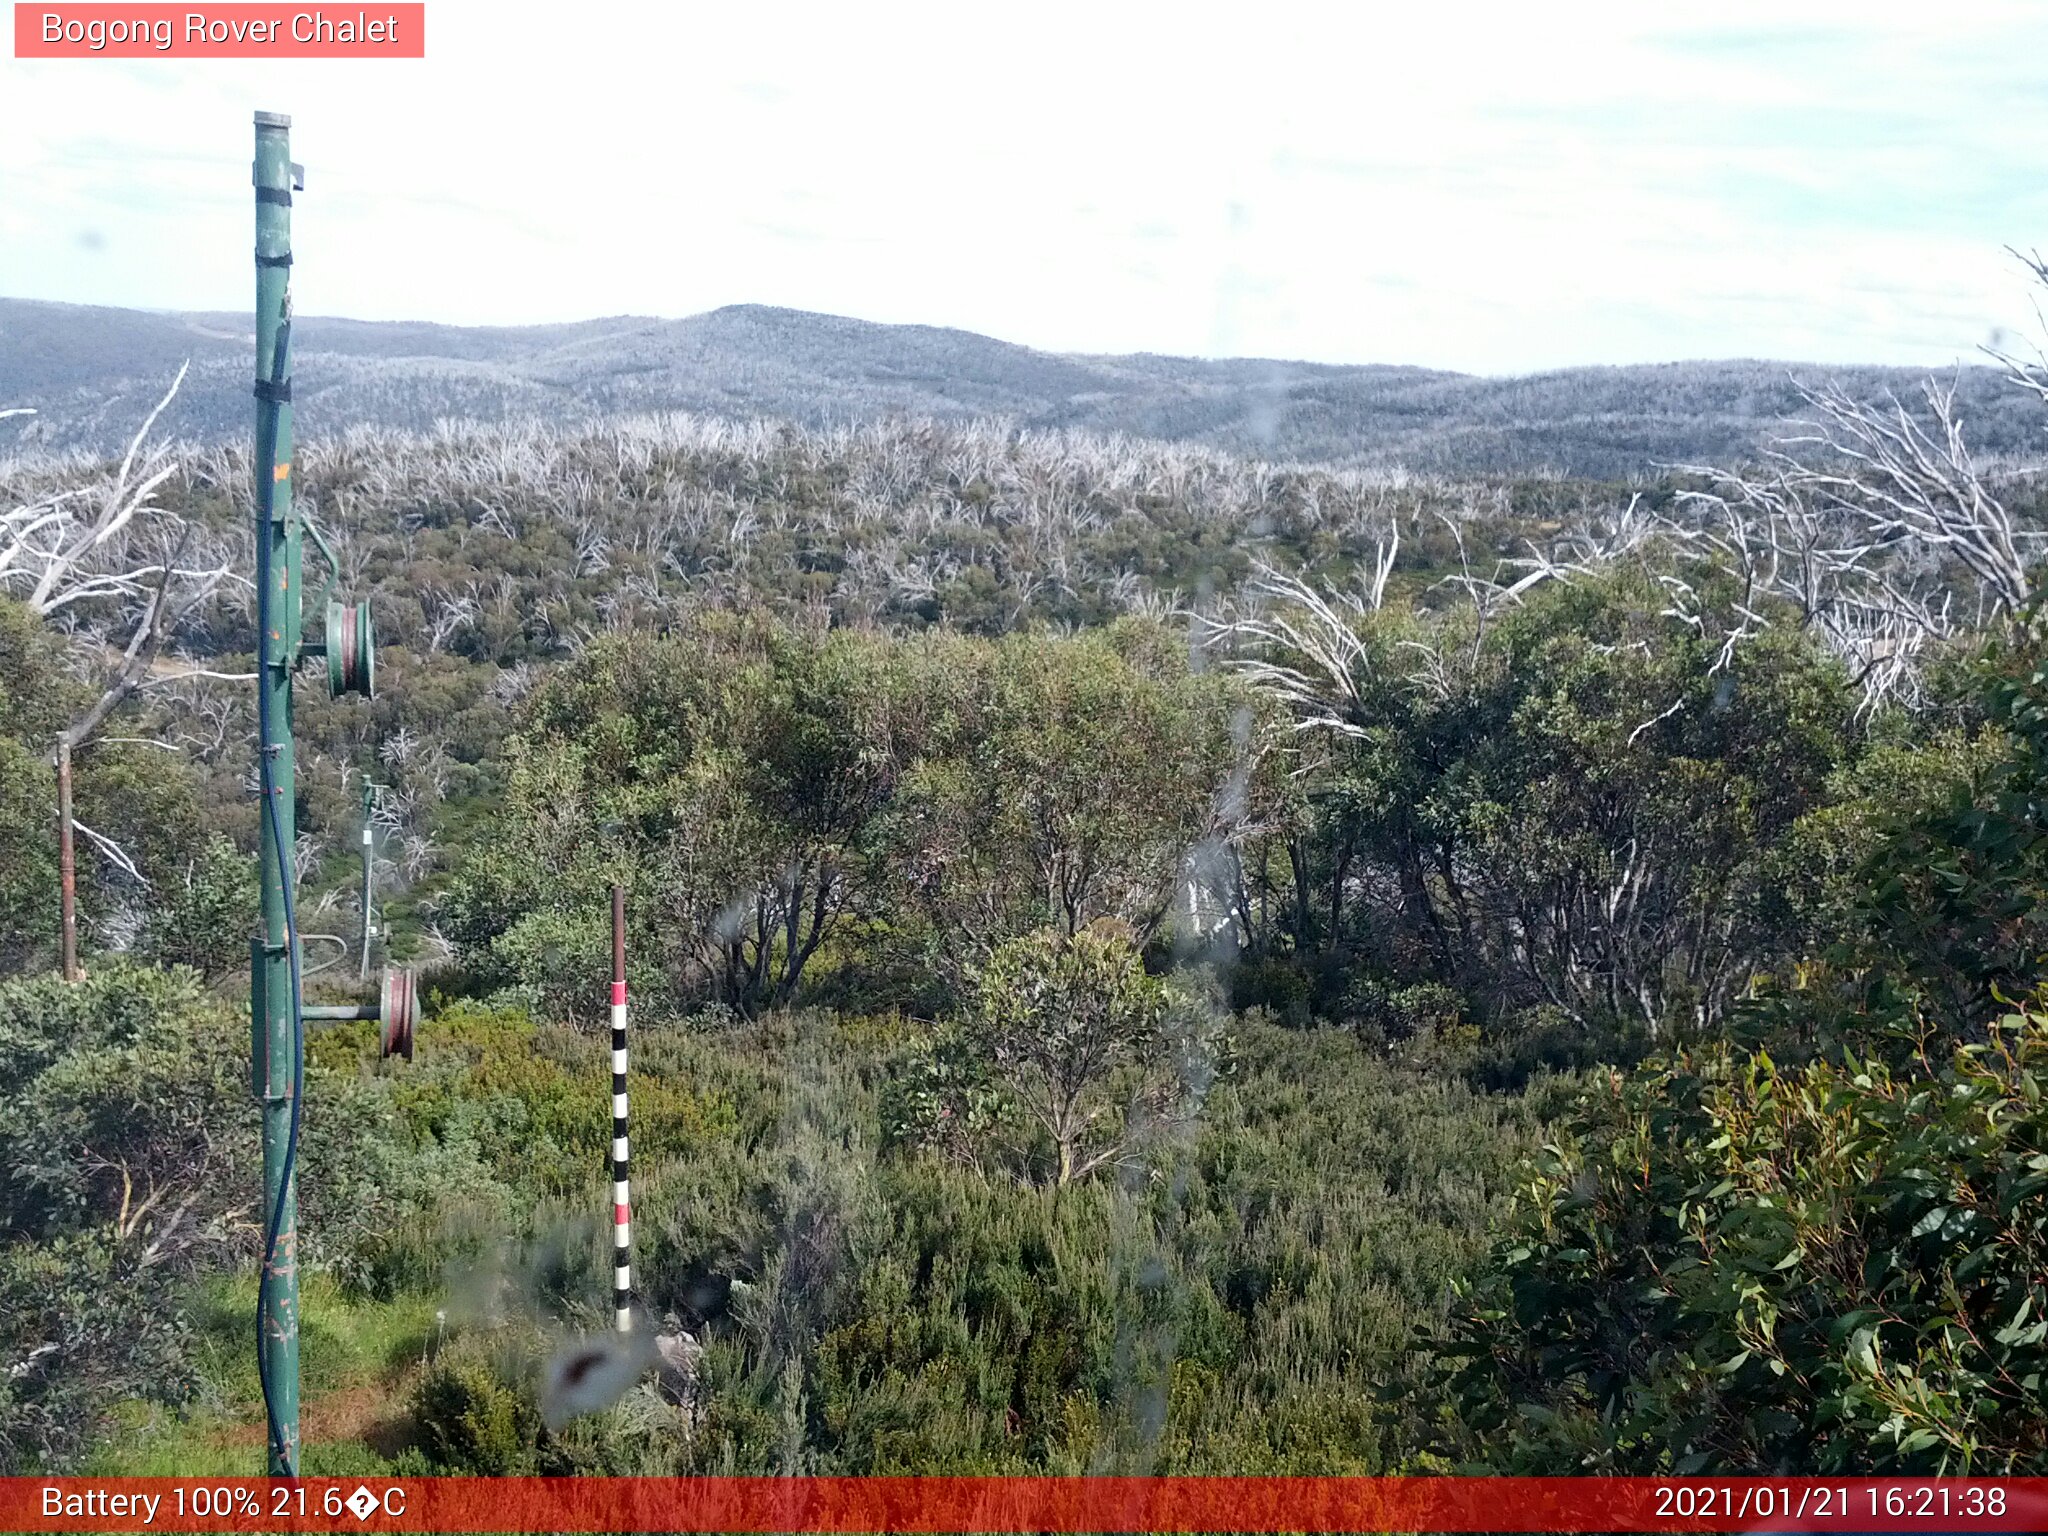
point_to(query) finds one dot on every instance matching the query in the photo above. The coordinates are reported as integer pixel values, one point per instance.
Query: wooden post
(67, 862)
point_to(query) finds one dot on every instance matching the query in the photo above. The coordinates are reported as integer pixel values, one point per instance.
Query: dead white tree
(96, 558)
(64, 547)
(1910, 487)
(1874, 525)
(1867, 524)
(1303, 646)
(2028, 373)
(448, 612)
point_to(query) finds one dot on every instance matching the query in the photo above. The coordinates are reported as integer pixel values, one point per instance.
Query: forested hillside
(89, 371)
(1144, 959)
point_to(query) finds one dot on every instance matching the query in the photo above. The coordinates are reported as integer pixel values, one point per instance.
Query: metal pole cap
(273, 120)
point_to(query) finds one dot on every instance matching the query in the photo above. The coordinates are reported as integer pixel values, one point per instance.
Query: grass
(356, 1361)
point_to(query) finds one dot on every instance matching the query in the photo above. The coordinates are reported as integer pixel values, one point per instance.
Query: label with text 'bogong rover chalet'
(46, 31)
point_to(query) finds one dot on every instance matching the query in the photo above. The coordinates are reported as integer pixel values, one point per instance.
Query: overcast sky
(1496, 188)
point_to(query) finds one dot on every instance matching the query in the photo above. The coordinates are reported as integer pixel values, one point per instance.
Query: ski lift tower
(277, 1010)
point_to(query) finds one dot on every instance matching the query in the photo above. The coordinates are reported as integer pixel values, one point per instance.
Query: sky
(1496, 188)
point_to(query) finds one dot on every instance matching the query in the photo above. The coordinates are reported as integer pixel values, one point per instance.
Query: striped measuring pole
(622, 1199)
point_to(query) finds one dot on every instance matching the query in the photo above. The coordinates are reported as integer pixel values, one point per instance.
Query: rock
(675, 1365)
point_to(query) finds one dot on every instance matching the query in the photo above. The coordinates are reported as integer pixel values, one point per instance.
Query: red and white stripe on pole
(622, 1198)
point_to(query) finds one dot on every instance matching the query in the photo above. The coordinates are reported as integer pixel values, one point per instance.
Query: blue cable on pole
(267, 783)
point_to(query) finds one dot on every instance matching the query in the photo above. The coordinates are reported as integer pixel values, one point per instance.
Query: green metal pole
(276, 1069)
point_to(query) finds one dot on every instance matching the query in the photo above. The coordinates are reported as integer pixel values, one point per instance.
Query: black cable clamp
(276, 394)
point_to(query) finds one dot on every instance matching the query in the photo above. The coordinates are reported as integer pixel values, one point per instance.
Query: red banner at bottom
(1026, 1504)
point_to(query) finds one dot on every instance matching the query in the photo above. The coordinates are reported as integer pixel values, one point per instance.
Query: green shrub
(1724, 1265)
(205, 911)
(1384, 1014)
(476, 1412)
(1244, 1301)
(1276, 983)
(124, 1118)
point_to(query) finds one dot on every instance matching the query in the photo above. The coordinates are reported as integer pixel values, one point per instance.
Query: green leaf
(1931, 1222)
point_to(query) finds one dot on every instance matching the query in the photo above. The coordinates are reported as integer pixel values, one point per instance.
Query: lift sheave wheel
(351, 650)
(397, 1012)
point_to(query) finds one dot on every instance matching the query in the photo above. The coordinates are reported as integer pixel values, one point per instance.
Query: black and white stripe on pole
(622, 1200)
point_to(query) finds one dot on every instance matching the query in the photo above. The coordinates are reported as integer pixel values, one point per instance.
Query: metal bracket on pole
(259, 1019)
(397, 1011)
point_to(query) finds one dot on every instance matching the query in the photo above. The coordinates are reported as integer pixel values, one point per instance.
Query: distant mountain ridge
(86, 371)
